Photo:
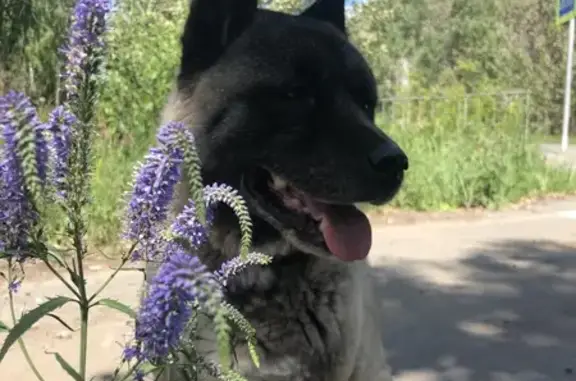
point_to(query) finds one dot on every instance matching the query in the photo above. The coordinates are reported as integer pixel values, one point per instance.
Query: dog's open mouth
(342, 230)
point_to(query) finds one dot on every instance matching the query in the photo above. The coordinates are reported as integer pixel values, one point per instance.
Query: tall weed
(470, 152)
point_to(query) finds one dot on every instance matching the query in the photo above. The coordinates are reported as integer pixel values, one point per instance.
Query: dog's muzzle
(388, 157)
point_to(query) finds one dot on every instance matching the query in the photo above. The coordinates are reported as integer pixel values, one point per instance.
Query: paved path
(489, 300)
(553, 153)
(493, 299)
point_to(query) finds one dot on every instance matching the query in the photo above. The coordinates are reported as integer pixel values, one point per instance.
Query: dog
(282, 108)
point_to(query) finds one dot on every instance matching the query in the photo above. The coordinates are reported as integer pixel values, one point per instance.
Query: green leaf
(67, 367)
(116, 305)
(3, 327)
(29, 319)
(61, 321)
(55, 254)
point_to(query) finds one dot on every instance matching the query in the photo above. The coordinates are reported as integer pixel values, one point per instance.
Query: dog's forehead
(278, 51)
(281, 50)
(298, 42)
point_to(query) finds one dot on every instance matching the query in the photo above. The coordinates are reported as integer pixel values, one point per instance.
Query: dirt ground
(470, 296)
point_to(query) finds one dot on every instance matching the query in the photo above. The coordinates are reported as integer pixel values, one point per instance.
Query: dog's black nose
(389, 157)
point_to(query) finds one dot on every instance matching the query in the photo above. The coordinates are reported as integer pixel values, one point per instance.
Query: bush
(470, 151)
(45, 179)
(143, 53)
(485, 161)
(31, 32)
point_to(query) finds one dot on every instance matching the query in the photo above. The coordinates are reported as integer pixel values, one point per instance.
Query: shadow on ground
(510, 315)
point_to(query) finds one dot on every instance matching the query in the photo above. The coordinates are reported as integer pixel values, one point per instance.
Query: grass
(113, 172)
(486, 160)
(468, 170)
(450, 168)
(462, 155)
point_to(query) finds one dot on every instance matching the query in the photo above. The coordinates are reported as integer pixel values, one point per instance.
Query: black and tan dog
(282, 108)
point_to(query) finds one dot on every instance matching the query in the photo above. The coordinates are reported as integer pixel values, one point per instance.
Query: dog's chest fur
(304, 317)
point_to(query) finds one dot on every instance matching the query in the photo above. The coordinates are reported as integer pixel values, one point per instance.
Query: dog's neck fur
(224, 239)
(224, 235)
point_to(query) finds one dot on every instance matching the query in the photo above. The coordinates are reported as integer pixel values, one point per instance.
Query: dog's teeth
(279, 183)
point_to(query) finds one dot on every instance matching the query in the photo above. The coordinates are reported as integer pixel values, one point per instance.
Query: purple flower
(60, 123)
(14, 286)
(139, 375)
(89, 20)
(19, 117)
(23, 165)
(167, 308)
(171, 135)
(130, 353)
(153, 190)
(187, 226)
(152, 194)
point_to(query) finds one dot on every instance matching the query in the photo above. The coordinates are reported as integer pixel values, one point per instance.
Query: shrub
(470, 151)
(46, 170)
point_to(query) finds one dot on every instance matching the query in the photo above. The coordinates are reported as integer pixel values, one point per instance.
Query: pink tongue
(347, 232)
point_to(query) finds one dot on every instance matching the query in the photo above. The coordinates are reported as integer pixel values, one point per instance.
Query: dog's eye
(369, 108)
(299, 95)
(297, 92)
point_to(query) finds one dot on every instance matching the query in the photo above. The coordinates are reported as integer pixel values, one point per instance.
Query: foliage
(469, 152)
(48, 165)
(416, 48)
(144, 50)
(31, 32)
(466, 150)
(513, 44)
(143, 46)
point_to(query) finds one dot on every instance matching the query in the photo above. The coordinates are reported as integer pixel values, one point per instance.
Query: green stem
(130, 372)
(107, 282)
(61, 278)
(14, 320)
(84, 311)
(116, 271)
(83, 340)
(80, 282)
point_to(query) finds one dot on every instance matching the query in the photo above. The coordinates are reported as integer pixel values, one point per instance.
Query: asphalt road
(490, 299)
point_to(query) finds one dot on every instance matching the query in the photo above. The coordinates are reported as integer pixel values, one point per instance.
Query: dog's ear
(332, 11)
(211, 27)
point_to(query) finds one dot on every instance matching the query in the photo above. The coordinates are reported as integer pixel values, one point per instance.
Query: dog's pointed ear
(211, 27)
(331, 11)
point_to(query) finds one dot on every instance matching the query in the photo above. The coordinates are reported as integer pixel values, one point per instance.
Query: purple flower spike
(151, 195)
(153, 190)
(23, 164)
(175, 136)
(188, 227)
(167, 308)
(60, 124)
(89, 20)
(17, 113)
(131, 352)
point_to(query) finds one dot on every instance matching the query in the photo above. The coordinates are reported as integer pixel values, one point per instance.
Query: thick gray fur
(292, 95)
